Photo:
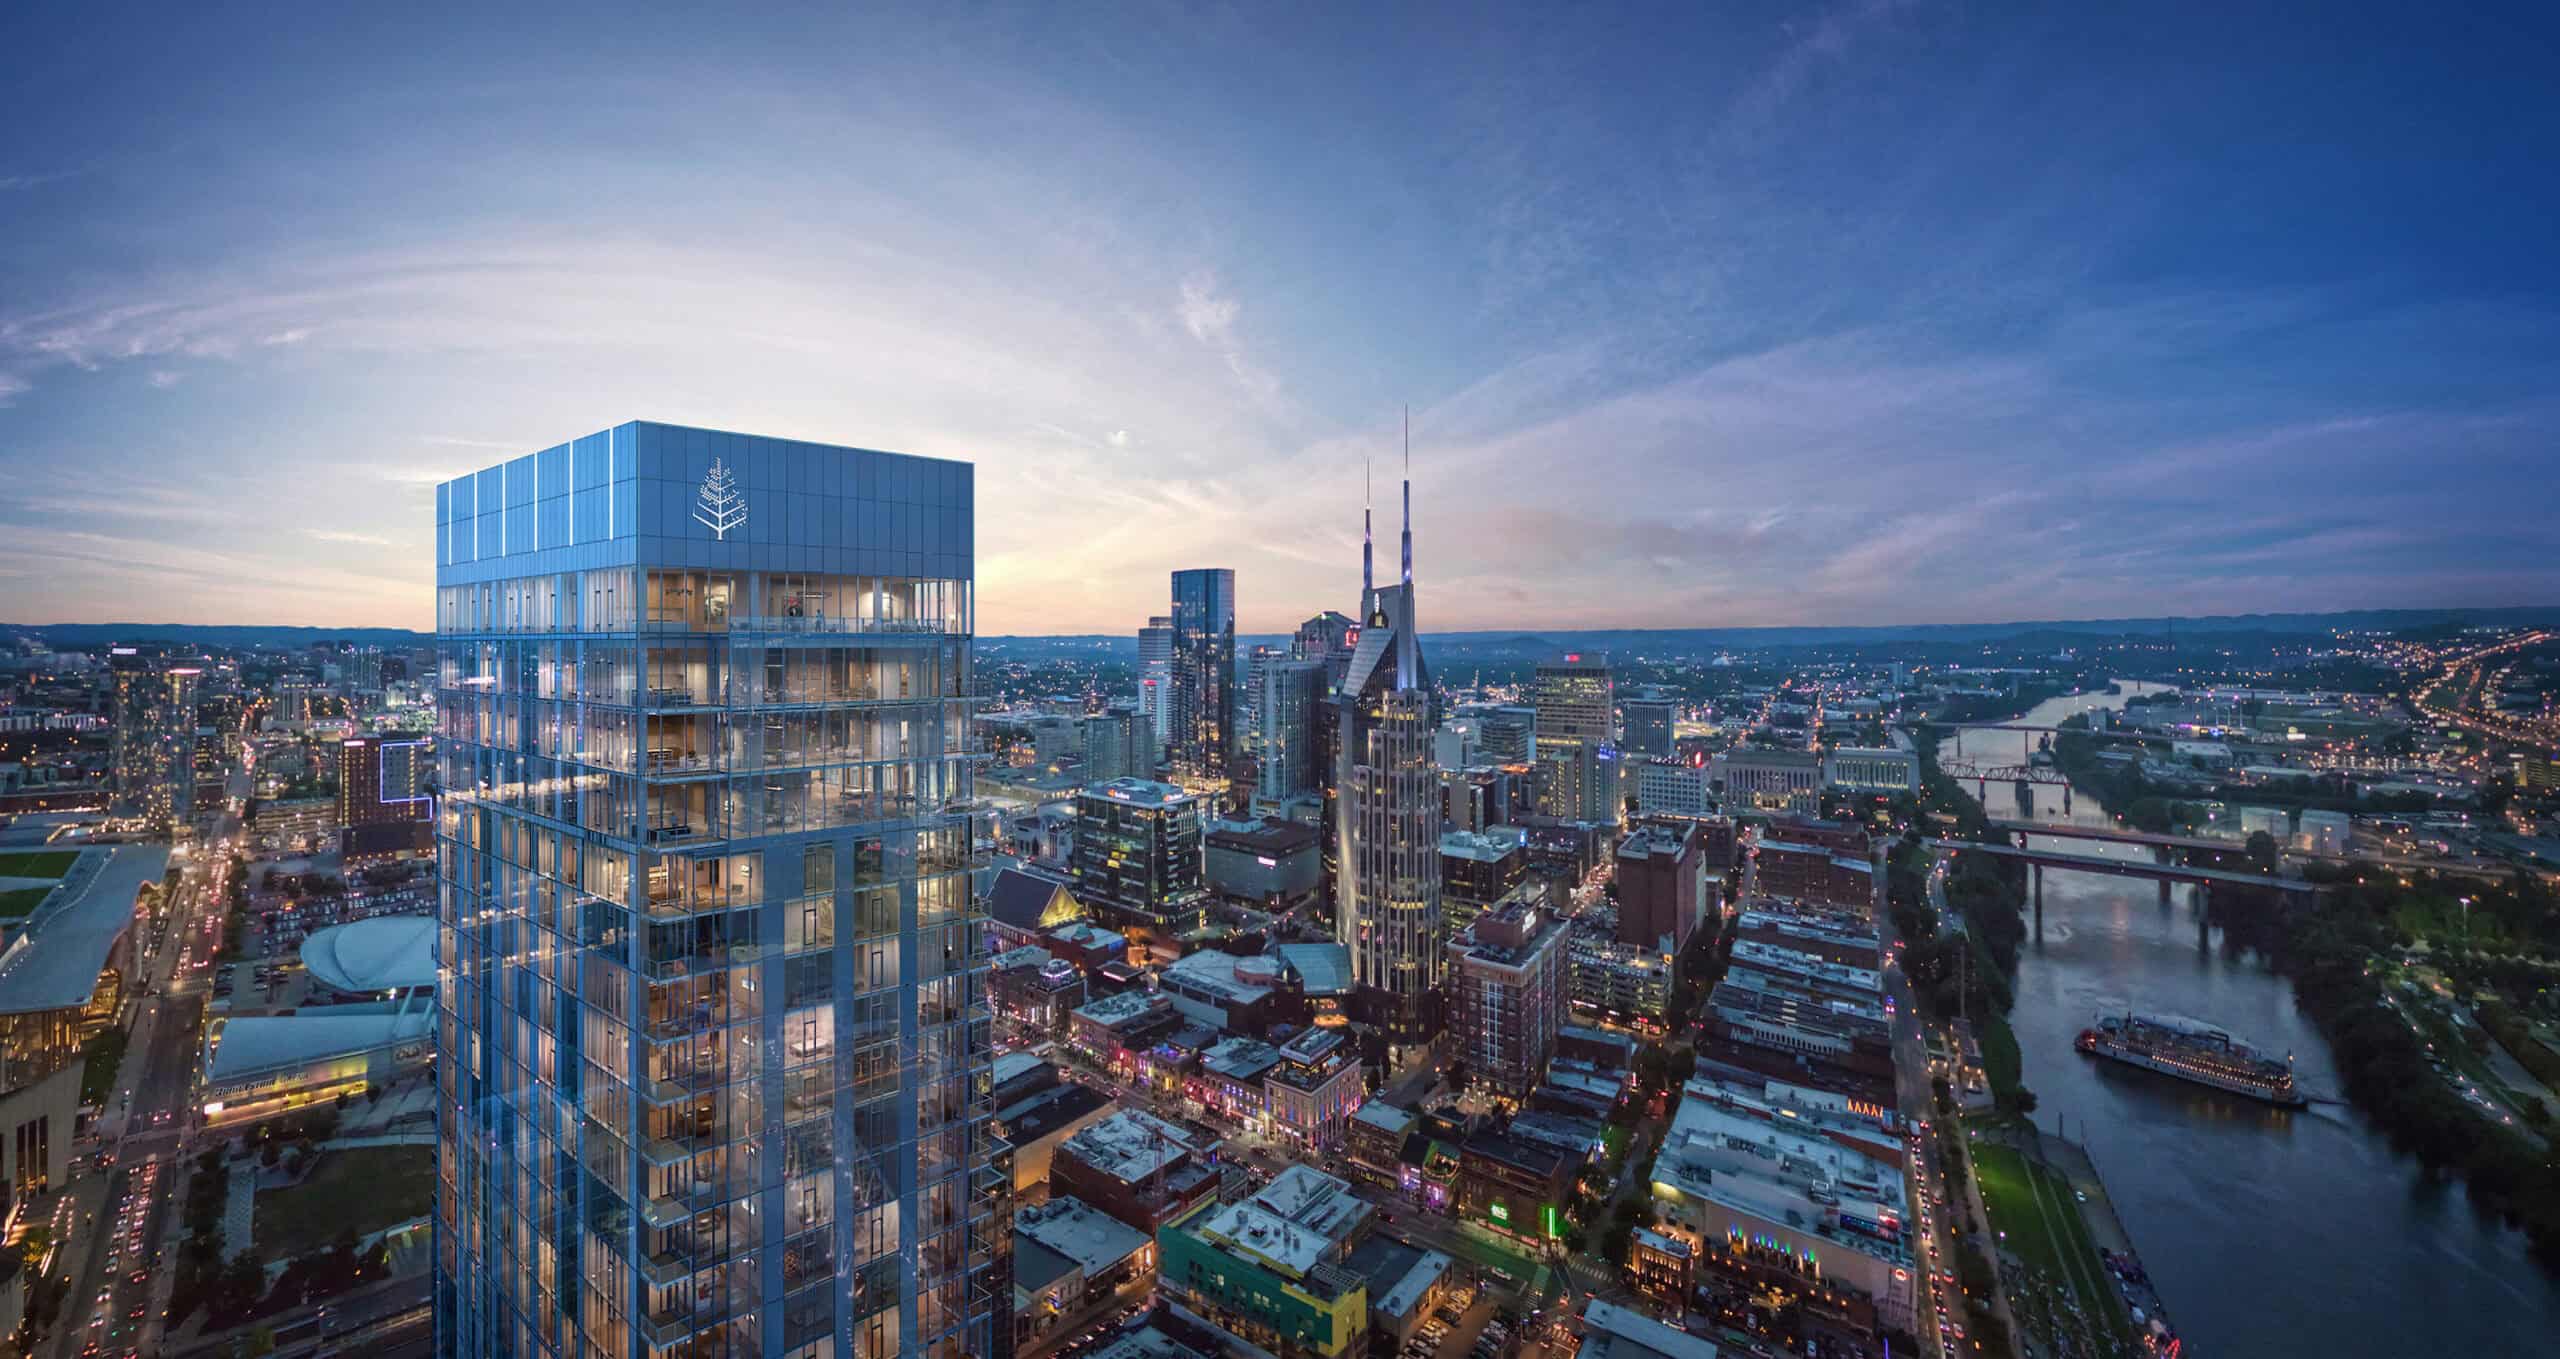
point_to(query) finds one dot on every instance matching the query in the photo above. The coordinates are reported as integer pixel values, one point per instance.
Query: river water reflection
(2270, 1233)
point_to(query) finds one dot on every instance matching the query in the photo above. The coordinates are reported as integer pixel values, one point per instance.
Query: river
(2269, 1233)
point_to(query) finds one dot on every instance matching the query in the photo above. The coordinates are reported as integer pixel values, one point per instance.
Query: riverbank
(2234, 1204)
(2059, 1285)
(2391, 1074)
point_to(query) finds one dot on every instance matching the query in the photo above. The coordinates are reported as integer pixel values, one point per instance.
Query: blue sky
(1708, 315)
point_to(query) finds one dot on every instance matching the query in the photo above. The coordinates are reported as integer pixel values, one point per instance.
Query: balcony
(678, 697)
(711, 1012)
(682, 1146)
(679, 1205)
(839, 625)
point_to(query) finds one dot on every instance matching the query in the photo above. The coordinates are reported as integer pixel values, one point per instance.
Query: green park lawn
(48, 863)
(2041, 1224)
(18, 901)
(364, 1188)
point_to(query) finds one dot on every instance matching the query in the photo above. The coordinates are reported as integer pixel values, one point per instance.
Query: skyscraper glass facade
(712, 1049)
(1204, 673)
(1286, 716)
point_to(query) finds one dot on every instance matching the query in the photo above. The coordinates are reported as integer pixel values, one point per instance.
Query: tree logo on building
(719, 506)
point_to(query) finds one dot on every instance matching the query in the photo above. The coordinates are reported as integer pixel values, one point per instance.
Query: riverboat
(2192, 1051)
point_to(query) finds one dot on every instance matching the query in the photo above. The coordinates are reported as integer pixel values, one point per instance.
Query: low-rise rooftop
(1093, 1239)
(1131, 1145)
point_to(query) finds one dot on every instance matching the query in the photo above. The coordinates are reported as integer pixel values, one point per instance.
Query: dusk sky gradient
(1708, 315)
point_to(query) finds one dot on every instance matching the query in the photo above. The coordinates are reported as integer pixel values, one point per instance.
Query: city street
(143, 1128)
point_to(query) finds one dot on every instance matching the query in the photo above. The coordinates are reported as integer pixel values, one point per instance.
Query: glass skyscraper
(712, 1048)
(1204, 673)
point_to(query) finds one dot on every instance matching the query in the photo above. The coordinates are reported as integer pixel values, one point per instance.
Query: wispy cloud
(1206, 312)
(1851, 312)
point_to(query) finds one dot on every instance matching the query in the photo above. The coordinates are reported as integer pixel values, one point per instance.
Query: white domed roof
(385, 953)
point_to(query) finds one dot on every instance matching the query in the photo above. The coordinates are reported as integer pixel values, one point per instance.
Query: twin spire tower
(1387, 807)
(1368, 568)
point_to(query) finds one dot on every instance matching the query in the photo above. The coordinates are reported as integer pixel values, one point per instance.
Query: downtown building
(1663, 885)
(1155, 679)
(1575, 761)
(1650, 722)
(1509, 985)
(1387, 889)
(382, 781)
(153, 748)
(1288, 708)
(712, 1054)
(1138, 858)
(1202, 707)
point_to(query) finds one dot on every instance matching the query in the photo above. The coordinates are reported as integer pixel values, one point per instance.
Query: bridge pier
(2204, 915)
(2035, 876)
(2164, 894)
(2066, 799)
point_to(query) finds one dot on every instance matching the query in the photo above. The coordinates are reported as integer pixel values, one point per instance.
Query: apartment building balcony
(790, 625)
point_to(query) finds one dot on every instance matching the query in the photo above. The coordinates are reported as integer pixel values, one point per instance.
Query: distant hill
(2060, 631)
(1480, 644)
(76, 636)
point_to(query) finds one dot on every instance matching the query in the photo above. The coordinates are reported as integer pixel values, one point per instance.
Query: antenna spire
(1368, 572)
(1408, 496)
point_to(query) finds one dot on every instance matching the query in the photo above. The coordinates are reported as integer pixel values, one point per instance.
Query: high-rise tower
(154, 740)
(1387, 889)
(1155, 682)
(1204, 674)
(1575, 698)
(712, 1050)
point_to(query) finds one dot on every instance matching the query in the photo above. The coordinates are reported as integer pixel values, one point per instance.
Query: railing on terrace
(828, 624)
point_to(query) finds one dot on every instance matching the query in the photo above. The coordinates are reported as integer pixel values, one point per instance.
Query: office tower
(1649, 725)
(408, 773)
(1662, 885)
(381, 781)
(1249, 700)
(712, 1050)
(1454, 745)
(1509, 735)
(1137, 857)
(1292, 694)
(1574, 700)
(1327, 637)
(1155, 679)
(1508, 988)
(1675, 788)
(1387, 898)
(1475, 799)
(1118, 744)
(1204, 673)
(154, 738)
(1477, 869)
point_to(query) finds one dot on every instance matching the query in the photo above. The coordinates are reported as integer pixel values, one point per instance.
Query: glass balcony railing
(841, 625)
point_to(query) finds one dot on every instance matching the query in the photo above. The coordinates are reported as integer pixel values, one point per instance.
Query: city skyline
(1880, 315)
